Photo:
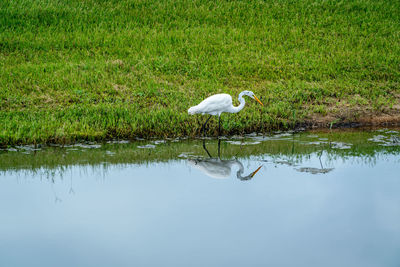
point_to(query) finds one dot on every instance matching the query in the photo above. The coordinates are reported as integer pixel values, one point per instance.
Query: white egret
(221, 169)
(219, 103)
(218, 168)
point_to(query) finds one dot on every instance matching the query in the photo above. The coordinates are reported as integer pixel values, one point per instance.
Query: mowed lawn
(95, 70)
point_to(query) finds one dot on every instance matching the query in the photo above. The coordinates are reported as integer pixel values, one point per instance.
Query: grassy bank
(95, 70)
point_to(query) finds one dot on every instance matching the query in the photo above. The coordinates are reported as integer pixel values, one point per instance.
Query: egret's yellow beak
(254, 173)
(258, 100)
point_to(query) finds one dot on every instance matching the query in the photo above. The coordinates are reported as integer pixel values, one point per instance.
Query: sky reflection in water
(328, 206)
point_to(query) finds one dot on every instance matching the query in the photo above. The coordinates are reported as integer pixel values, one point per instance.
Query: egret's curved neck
(241, 106)
(239, 173)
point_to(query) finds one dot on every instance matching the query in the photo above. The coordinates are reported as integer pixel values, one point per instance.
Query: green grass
(94, 70)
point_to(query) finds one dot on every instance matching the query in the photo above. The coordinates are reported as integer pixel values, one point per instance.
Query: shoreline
(364, 124)
(379, 121)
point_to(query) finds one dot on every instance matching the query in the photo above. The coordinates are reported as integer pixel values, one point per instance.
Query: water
(319, 199)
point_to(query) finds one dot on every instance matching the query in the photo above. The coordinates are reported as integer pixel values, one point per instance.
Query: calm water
(319, 199)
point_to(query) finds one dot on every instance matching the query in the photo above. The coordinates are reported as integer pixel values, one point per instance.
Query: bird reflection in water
(311, 170)
(218, 168)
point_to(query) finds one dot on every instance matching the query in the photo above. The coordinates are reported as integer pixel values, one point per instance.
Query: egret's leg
(203, 128)
(219, 148)
(219, 125)
(204, 146)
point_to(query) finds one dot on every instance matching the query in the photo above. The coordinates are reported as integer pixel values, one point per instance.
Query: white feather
(213, 105)
(216, 104)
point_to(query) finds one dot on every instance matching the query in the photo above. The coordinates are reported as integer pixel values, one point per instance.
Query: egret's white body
(219, 103)
(214, 168)
(220, 169)
(214, 105)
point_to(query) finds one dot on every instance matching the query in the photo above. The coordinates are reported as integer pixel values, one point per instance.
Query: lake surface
(319, 199)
